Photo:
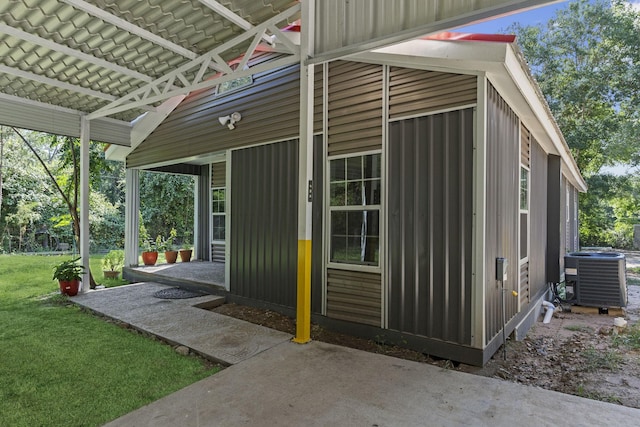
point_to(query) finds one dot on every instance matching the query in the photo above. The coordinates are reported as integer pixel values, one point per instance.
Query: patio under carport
(272, 381)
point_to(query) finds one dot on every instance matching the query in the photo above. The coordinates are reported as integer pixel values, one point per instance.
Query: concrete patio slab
(273, 381)
(320, 384)
(221, 338)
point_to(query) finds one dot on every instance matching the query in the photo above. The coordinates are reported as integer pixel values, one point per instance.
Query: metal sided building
(431, 159)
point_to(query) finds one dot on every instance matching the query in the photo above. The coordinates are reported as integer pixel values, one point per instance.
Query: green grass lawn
(60, 366)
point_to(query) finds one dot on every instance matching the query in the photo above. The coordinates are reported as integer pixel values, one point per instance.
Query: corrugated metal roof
(84, 54)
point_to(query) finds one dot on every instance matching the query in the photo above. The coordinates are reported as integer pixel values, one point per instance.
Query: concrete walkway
(183, 321)
(279, 383)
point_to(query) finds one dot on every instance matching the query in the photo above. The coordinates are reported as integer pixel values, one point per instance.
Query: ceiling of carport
(83, 55)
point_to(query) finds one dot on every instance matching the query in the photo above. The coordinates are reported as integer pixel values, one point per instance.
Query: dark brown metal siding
(317, 272)
(525, 220)
(219, 174)
(318, 99)
(503, 187)
(203, 220)
(563, 216)
(430, 218)
(413, 92)
(264, 206)
(574, 243)
(355, 107)
(555, 257)
(525, 290)
(354, 296)
(270, 111)
(538, 219)
(525, 146)
(218, 179)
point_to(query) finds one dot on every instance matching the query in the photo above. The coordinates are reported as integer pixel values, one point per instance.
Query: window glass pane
(524, 187)
(337, 170)
(354, 168)
(354, 193)
(354, 223)
(218, 227)
(371, 192)
(234, 84)
(338, 248)
(372, 166)
(338, 194)
(355, 237)
(338, 223)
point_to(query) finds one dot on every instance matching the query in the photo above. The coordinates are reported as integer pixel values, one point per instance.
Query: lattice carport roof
(82, 55)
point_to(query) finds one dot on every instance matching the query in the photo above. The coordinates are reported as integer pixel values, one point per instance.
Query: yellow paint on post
(303, 307)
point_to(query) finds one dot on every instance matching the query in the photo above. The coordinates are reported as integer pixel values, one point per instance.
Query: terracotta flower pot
(149, 258)
(171, 256)
(69, 287)
(185, 255)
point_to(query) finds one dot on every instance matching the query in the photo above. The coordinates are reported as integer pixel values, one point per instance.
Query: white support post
(132, 217)
(84, 200)
(305, 183)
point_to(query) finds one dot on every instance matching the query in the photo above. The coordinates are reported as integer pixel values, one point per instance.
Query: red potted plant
(170, 254)
(149, 251)
(68, 274)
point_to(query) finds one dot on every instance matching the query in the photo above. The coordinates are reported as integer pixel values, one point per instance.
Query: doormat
(176, 293)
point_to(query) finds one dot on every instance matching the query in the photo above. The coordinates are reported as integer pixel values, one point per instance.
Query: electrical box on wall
(501, 269)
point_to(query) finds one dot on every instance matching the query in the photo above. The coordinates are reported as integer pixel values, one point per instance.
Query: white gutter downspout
(549, 314)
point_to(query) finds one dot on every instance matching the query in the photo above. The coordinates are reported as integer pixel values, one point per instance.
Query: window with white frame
(524, 212)
(355, 191)
(218, 212)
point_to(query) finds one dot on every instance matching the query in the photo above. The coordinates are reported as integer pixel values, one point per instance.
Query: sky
(535, 16)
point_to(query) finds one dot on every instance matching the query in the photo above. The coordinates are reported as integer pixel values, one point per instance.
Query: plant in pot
(68, 274)
(149, 251)
(185, 252)
(112, 263)
(170, 254)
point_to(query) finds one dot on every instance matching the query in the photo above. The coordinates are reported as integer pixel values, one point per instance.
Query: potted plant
(185, 252)
(112, 263)
(149, 251)
(166, 245)
(68, 274)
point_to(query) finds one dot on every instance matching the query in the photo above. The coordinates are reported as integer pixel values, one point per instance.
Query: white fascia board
(446, 56)
(533, 109)
(462, 54)
(42, 117)
(142, 128)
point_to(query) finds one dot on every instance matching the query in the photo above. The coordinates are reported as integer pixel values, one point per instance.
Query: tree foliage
(40, 204)
(587, 63)
(166, 202)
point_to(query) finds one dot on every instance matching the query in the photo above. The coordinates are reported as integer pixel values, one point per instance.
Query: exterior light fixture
(230, 121)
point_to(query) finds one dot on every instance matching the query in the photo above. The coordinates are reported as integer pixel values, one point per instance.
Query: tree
(166, 202)
(65, 174)
(587, 63)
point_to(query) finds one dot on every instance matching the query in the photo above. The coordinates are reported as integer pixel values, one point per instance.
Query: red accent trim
(295, 27)
(501, 38)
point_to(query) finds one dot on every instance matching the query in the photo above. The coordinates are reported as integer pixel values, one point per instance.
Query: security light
(230, 121)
